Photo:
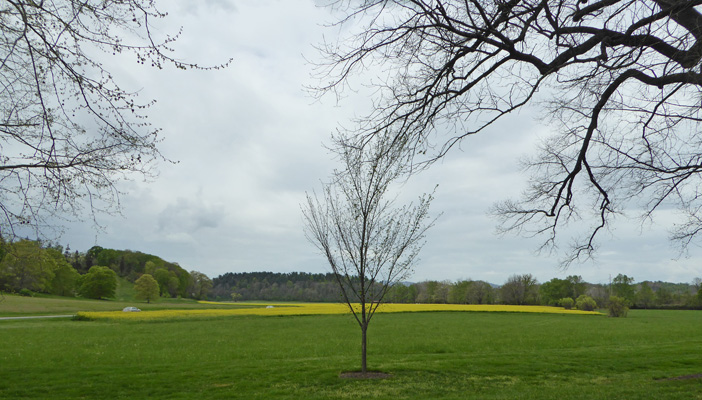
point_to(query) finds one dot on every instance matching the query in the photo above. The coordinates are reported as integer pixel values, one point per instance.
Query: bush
(617, 307)
(585, 303)
(26, 293)
(566, 303)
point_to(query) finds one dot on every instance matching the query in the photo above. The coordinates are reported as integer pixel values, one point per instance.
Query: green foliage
(64, 281)
(585, 303)
(26, 266)
(398, 293)
(622, 286)
(100, 282)
(577, 285)
(431, 292)
(3, 248)
(65, 276)
(167, 282)
(200, 285)
(125, 290)
(108, 257)
(26, 293)
(555, 289)
(566, 303)
(150, 267)
(617, 307)
(146, 288)
(458, 292)
(645, 298)
(132, 264)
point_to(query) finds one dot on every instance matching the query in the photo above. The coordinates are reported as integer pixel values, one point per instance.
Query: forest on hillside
(28, 266)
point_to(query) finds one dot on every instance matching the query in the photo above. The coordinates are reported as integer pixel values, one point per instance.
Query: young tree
(146, 288)
(617, 307)
(370, 243)
(100, 282)
(69, 130)
(619, 80)
(585, 303)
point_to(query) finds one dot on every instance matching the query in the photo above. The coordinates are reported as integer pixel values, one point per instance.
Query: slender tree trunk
(364, 320)
(364, 328)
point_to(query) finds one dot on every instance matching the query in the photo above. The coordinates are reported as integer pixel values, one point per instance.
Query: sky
(248, 141)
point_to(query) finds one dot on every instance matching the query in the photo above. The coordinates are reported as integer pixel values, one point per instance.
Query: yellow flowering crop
(311, 309)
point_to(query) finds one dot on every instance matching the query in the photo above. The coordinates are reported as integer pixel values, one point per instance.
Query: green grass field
(13, 306)
(442, 355)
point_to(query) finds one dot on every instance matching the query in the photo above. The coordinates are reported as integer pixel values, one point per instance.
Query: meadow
(13, 306)
(431, 355)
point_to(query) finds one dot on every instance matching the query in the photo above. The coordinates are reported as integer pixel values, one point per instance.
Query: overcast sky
(248, 141)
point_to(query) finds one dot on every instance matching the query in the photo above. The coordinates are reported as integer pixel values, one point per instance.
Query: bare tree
(619, 79)
(68, 131)
(370, 243)
(520, 290)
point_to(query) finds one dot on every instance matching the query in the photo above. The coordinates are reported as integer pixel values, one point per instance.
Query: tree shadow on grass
(365, 375)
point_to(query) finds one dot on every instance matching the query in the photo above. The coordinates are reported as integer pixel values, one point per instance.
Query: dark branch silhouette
(618, 80)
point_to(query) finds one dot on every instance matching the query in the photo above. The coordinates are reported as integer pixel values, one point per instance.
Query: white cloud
(248, 144)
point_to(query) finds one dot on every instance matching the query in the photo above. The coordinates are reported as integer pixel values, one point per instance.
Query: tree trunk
(364, 328)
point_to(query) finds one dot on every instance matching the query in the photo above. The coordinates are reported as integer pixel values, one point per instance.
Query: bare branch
(622, 79)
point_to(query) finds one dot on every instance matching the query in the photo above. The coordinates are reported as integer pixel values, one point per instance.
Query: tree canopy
(146, 288)
(100, 282)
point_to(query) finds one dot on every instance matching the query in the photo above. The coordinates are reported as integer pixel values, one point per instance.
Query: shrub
(617, 307)
(26, 293)
(585, 303)
(566, 303)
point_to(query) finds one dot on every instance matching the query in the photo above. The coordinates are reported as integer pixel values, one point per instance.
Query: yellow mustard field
(312, 309)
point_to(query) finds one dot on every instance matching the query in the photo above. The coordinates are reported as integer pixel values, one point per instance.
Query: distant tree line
(31, 266)
(293, 286)
(517, 289)
(28, 266)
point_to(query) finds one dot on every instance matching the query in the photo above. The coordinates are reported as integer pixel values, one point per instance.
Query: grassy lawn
(439, 355)
(13, 305)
